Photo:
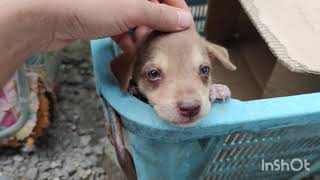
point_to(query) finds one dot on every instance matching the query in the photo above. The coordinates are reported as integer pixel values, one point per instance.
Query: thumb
(163, 17)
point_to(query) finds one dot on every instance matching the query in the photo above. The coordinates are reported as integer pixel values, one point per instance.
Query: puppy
(173, 71)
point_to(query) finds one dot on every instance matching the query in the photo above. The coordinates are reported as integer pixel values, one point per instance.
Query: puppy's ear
(122, 67)
(221, 54)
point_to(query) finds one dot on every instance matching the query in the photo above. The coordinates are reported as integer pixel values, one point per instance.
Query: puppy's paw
(219, 92)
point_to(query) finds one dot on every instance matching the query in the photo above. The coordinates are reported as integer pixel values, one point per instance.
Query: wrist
(27, 29)
(22, 33)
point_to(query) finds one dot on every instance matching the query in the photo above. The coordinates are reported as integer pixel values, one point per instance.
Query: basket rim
(224, 118)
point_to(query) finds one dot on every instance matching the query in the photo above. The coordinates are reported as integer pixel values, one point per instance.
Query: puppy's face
(174, 72)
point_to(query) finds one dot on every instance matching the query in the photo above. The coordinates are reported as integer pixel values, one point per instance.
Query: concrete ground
(75, 146)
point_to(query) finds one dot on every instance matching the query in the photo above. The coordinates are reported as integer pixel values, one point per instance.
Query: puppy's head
(174, 72)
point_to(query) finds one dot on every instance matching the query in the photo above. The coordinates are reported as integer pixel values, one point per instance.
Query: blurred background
(75, 145)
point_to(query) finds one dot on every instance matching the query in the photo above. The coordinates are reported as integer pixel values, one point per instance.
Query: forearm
(20, 35)
(29, 26)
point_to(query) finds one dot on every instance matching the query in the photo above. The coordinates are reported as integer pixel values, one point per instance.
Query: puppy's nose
(189, 109)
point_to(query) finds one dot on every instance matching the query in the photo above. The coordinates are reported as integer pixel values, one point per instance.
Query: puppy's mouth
(185, 121)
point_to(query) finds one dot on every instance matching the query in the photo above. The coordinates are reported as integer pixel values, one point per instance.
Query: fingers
(176, 3)
(163, 17)
(170, 15)
(141, 32)
(124, 41)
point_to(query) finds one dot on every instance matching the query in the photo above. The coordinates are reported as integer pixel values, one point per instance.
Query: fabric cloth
(10, 106)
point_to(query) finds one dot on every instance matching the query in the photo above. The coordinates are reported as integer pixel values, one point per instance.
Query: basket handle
(123, 155)
(115, 136)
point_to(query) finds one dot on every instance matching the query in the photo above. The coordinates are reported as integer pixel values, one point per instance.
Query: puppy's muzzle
(189, 108)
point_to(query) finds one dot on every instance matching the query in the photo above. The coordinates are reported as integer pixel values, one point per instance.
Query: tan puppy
(173, 71)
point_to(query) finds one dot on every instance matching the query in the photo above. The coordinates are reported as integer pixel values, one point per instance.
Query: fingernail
(184, 19)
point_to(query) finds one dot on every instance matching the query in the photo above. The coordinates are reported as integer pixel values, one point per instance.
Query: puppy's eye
(154, 75)
(204, 71)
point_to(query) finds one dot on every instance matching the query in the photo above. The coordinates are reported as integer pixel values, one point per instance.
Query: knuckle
(164, 17)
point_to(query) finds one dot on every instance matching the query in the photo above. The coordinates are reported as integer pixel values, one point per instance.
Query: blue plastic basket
(230, 143)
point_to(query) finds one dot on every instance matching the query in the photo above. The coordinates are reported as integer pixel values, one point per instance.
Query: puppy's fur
(182, 64)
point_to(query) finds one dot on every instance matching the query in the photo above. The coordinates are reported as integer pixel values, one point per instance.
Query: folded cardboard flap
(291, 28)
(271, 45)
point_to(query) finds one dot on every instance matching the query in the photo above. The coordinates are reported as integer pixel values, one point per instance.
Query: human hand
(93, 19)
(127, 41)
(31, 26)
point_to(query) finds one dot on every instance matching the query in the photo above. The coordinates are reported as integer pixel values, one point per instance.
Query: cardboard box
(275, 50)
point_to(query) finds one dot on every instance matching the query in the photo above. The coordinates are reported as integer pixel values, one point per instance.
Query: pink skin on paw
(219, 92)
